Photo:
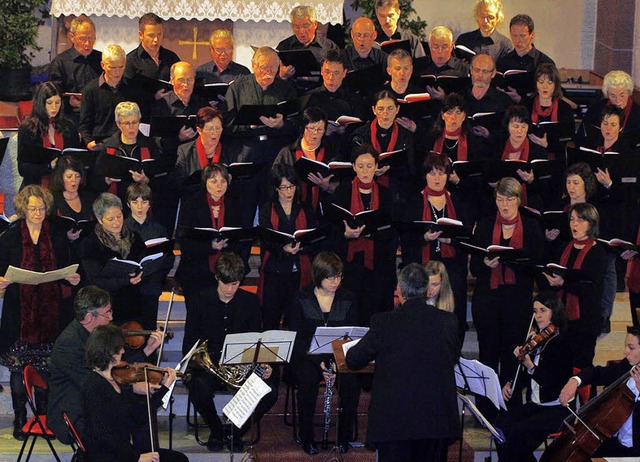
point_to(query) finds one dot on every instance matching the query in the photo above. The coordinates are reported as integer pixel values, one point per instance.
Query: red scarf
(572, 302)
(202, 154)
(305, 187)
(627, 111)
(524, 155)
(446, 250)
(502, 274)
(216, 223)
(463, 150)
(538, 111)
(145, 154)
(46, 142)
(304, 260)
(39, 304)
(633, 271)
(384, 179)
(362, 244)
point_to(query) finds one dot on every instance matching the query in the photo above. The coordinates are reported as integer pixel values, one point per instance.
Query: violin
(136, 336)
(127, 374)
(538, 341)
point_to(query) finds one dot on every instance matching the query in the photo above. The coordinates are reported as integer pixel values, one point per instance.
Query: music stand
(324, 336)
(273, 347)
(473, 377)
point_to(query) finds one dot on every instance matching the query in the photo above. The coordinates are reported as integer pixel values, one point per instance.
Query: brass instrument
(233, 376)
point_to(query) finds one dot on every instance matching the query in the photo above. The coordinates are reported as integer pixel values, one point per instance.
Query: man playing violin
(542, 373)
(626, 441)
(68, 368)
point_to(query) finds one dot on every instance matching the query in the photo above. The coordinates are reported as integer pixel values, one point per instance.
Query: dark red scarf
(502, 274)
(633, 270)
(446, 250)
(216, 223)
(375, 142)
(202, 154)
(538, 111)
(304, 260)
(463, 149)
(627, 111)
(572, 302)
(524, 155)
(46, 142)
(362, 244)
(38, 303)
(305, 187)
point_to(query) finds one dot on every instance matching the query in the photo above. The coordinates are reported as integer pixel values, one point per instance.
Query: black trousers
(422, 450)
(279, 290)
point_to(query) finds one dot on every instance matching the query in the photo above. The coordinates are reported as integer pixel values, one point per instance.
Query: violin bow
(513, 384)
(148, 395)
(166, 326)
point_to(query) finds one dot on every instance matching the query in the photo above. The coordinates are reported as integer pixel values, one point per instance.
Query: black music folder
(150, 84)
(249, 114)
(555, 131)
(67, 224)
(373, 220)
(506, 254)
(38, 154)
(304, 236)
(303, 60)
(122, 268)
(171, 125)
(521, 81)
(305, 166)
(210, 234)
(118, 167)
(212, 91)
(488, 120)
(365, 81)
(595, 159)
(469, 168)
(450, 228)
(449, 83)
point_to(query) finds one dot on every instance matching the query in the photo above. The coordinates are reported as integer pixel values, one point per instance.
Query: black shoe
(343, 447)
(606, 326)
(17, 430)
(310, 447)
(215, 445)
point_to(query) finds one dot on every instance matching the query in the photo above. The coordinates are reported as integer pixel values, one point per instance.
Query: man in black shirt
(442, 60)
(216, 312)
(149, 59)
(388, 14)
(365, 51)
(101, 96)
(74, 68)
(222, 68)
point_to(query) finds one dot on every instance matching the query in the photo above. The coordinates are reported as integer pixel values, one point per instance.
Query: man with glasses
(364, 52)
(222, 68)
(442, 60)
(68, 368)
(305, 24)
(74, 68)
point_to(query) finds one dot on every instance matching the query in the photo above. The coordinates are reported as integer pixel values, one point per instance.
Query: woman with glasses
(399, 172)
(501, 302)
(285, 268)
(32, 315)
(195, 155)
(312, 144)
(46, 127)
(323, 303)
(127, 141)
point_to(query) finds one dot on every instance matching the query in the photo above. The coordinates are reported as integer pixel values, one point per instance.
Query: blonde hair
(113, 53)
(617, 79)
(488, 4)
(21, 199)
(446, 301)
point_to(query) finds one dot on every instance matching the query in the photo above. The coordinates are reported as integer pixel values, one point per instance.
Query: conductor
(418, 429)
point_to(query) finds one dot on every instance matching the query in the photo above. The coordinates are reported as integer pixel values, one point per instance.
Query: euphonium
(234, 376)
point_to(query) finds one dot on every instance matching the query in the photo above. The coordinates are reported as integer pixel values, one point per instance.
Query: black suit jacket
(414, 391)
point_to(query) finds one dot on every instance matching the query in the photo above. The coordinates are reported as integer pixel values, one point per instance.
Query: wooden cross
(195, 43)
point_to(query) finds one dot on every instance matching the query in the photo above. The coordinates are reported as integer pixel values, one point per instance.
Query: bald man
(365, 51)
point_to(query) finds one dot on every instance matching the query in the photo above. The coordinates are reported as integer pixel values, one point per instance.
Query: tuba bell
(233, 376)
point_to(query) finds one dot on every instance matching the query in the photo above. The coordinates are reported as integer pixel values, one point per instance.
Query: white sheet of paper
(242, 405)
(23, 276)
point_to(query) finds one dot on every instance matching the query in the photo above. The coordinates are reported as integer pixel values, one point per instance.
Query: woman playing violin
(626, 441)
(107, 404)
(543, 372)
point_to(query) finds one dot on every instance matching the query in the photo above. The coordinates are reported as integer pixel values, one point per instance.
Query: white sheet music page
(242, 405)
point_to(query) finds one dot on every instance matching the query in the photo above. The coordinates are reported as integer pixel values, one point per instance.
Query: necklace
(452, 146)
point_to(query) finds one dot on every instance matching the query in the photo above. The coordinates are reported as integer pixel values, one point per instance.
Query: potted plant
(19, 25)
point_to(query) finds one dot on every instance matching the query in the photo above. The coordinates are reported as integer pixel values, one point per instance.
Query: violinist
(542, 372)
(626, 441)
(107, 404)
(92, 308)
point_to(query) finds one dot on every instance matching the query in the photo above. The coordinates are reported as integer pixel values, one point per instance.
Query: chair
(79, 451)
(37, 425)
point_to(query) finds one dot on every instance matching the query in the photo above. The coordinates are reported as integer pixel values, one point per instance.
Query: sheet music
(275, 347)
(23, 276)
(242, 405)
(347, 346)
(482, 381)
(182, 367)
(323, 336)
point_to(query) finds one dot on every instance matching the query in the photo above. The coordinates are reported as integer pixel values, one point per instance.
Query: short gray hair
(441, 32)
(302, 11)
(126, 109)
(617, 79)
(220, 34)
(263, 51)
(413, 281)
(82, 19)
(103, 202)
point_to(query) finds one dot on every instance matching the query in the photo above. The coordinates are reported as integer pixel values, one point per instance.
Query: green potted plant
(19, 23)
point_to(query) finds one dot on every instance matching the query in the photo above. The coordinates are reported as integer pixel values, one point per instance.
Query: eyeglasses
(36, 209)
(212, 129)
(133, 123)
(219, 51)
(107, 314)
(304, 26)
(314, 130)
(185, 81)
(362, 35)
(334, 278)
(287, 188)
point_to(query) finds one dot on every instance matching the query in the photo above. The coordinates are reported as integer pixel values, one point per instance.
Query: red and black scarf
(39, 304)
(524, 150)
(314, 200)
(304, 260)
(447, 250)
(375, 142)
(202, 154)
(503, 274)
(538, 111)
(362, 244)
(572, 301)
(216, 223)
(463, 147)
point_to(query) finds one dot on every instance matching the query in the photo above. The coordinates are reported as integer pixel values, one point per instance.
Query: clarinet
(328, 395)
